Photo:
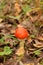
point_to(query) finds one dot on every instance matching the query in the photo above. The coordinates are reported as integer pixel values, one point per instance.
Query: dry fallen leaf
(21, 63)
(29, 40)
(40, 38)
(31, 49)
(38, 64)
(1, 64)
(29, 64)
(38, 44)
(1, 19)
(17, 8)
(20, 51)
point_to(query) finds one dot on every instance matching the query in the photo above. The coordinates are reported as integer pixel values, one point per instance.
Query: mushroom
(21, 33)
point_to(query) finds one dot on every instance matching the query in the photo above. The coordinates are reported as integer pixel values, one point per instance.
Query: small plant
(41, 62)
(37, 52)
(32, 36)
(10, 36)
(2, 40)
(2, 5)
(27, 1)
(26, 9)
(6, 51)
(13, 17)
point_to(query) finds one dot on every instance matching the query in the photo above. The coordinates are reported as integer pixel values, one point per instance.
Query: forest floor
(28, 14)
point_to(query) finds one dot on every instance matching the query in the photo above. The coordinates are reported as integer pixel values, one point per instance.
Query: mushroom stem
(22, 43)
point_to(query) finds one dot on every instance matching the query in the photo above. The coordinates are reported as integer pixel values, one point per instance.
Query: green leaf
(32, 36)
(14, 44)
(28, 1)
(41, 62)
(10, 36)
(1, 53)
(26, 8)
(41, 3)
(2, 6)
(2, 40)
(37, 52)
(7, 50)
(14, 17)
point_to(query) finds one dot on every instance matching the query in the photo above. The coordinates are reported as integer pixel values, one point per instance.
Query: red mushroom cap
(21, 33)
